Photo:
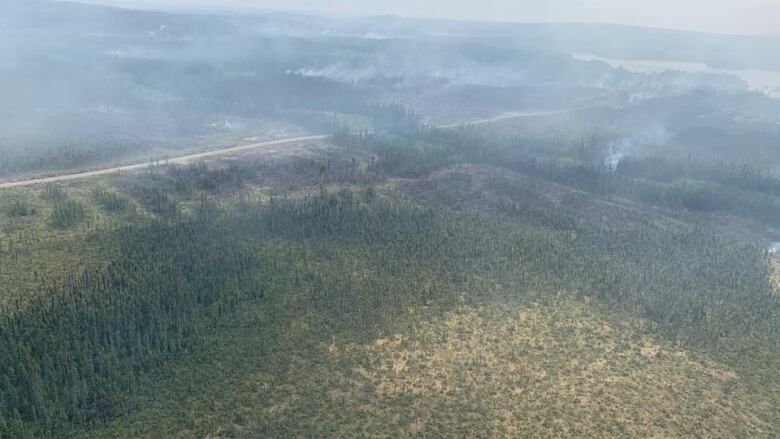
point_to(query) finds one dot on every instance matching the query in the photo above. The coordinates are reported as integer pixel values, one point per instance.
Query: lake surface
(766, 81)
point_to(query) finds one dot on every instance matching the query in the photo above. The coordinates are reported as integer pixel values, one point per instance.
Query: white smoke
(419, 66)
(339, 72)
(364, 36)
(618, 150)
(774, 249)
(614, 158)
(471, 74)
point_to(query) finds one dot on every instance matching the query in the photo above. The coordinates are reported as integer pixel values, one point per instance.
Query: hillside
(287, 225)
(367, 309)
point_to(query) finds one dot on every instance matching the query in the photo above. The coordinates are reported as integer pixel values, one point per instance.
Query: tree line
(68, 357)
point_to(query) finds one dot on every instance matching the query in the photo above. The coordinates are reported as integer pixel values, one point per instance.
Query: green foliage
(19, 208)
(394, 118)
(113, 201)
(66, 155)
(206, 178)
(693, 185)
(158, 200)
(67, 213)
(70, 355)
(54, 193)
(399, 155)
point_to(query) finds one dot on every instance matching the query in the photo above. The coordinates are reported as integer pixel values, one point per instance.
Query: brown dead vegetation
(518, 371)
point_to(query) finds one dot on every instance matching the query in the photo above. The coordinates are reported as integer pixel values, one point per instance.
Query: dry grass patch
(499, 370)
(522, 372)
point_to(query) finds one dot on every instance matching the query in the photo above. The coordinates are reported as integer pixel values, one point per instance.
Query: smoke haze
(718, 16)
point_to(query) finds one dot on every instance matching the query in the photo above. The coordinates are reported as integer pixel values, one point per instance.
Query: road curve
(224, 151)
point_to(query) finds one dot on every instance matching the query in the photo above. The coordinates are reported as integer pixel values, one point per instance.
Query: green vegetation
(113, 201)
(69, 360)
(189, 267)
(37, 253)
(590, 262)
(65, 156)
(20, 208)
(67, 213)
(696, 185)
(513, 368)
(54, 193)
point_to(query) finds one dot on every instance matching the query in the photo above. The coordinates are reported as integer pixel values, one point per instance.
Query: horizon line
(147, 5)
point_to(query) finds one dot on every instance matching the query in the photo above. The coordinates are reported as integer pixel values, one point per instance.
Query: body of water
(766, 81)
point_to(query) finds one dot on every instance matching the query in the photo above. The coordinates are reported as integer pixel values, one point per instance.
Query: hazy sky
(721, 16)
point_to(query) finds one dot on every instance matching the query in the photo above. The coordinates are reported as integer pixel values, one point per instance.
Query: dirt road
(514, 115)
(175, 160)
(224, 151)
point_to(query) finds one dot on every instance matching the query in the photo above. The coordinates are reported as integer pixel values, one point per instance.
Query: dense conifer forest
(69, 356)
(275, 224)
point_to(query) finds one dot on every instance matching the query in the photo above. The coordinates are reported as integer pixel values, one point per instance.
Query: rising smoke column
(619, 149)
